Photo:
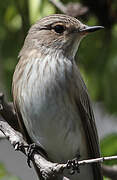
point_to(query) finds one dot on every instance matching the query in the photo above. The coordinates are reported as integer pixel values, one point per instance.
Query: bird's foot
(73, 165)
(21, 147)
(31, 149)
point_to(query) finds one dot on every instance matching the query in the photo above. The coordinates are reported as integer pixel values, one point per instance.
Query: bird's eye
(59, 29)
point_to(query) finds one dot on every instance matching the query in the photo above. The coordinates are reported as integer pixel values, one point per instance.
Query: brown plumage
(50, 97)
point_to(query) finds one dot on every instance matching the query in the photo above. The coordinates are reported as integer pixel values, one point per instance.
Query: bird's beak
(89, 29)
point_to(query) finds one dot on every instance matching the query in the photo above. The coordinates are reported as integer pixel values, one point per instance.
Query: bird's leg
(73, 165)
(31, 149)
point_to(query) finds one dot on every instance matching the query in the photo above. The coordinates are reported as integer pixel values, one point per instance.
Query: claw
(30, 150)
(69, 164)
(34, 148)
(18, 146)
(73, 165)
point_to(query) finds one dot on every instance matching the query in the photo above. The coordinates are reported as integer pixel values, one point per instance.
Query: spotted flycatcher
(50, 97)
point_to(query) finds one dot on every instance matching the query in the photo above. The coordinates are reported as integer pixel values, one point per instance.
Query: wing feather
(87, 117)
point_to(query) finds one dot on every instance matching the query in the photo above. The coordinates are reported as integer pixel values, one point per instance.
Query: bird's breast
(48, 108)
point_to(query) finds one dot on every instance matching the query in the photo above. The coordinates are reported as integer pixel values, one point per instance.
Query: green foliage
(110, 76)
(109, 147)
(2, 171)
(105, 178)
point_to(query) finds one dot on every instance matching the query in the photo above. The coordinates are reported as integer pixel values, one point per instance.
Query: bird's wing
(21, 123)
(87, 117)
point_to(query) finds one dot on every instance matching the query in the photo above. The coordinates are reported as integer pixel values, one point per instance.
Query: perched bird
(50, 97)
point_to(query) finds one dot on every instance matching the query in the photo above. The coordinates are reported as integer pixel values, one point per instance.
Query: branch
(48, 170)
(59, 5)
(71, 9)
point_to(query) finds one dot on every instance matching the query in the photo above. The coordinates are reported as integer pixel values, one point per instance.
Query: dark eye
(59, 29)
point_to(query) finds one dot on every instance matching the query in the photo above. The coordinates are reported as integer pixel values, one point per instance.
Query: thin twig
(59, 5)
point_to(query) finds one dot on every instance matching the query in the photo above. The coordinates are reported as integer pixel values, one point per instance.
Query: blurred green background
(97, 55)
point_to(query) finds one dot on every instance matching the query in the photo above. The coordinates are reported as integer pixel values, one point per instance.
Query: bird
(50, 97)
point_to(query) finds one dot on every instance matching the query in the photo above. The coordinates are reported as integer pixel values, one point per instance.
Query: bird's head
(57, 32)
